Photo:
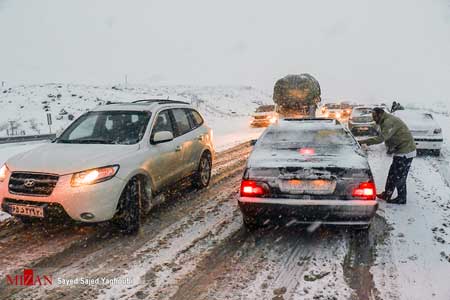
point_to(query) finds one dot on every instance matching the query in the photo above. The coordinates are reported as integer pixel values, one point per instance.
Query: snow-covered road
(197, 249)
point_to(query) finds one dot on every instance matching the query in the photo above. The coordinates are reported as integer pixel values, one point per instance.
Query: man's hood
(64, 159)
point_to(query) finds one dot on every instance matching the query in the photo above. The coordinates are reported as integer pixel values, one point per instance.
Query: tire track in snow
(278, 263)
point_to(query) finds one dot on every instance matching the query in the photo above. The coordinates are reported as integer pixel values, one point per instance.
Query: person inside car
(399, 142)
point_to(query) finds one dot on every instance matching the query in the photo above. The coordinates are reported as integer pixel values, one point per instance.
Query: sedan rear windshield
(362, 112)
(283, 139)
(107, 127)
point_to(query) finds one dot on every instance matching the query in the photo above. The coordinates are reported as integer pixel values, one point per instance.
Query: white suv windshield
(107, 127)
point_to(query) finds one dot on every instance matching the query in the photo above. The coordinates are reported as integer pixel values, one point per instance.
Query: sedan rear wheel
(251, 223)
(436, 152)
(361, 228)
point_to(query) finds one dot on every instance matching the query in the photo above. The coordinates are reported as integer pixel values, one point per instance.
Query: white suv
(110, 164)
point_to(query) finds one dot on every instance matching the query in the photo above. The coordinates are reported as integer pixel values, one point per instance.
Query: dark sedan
(307, 171)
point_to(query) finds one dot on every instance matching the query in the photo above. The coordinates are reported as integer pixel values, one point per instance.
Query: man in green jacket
(399, 142)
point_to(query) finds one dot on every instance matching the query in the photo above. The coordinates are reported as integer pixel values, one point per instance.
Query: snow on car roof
(139, 106)
(417, 119)
(307, 124)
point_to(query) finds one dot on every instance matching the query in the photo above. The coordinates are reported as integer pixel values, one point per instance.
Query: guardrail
(26, 138)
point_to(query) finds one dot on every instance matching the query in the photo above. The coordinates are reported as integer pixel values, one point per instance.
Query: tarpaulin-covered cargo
(296, 95)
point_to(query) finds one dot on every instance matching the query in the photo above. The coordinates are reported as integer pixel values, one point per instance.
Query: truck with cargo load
(297, 96)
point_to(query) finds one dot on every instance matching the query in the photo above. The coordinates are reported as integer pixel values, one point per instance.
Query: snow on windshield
(325, 145)
(417, 120)
(306, 135)
(411, 114)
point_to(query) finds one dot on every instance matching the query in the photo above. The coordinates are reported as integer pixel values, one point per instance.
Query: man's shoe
(383, 196)
(396, 201)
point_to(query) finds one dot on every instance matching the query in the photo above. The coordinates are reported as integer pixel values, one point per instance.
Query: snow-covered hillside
(25, 106)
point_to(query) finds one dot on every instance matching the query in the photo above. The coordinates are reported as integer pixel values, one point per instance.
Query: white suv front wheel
(203, 175)
(128, 217)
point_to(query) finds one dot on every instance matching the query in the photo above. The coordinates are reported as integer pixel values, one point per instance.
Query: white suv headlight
(4, 171)
(93, 176)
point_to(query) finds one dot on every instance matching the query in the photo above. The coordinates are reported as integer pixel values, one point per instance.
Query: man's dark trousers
(398, 173)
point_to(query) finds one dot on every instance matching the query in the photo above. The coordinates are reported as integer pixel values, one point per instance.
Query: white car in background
(110, 163)
(361, 122)
(264, 116)
(333, 111)
(426, 131)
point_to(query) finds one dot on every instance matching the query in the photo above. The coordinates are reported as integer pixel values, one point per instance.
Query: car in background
(263, 116)
(307, 171)
(111, 163)
(361, 122)
(426, 131)
(333, 111)
(347, 109)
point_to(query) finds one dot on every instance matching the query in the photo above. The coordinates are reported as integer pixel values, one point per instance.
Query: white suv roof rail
(160, 101)
(148, 101)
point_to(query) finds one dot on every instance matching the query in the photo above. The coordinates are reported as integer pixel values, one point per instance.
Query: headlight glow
(93, 176)
(3, 173)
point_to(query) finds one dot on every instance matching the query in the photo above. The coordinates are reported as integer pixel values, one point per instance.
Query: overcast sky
(356, 49)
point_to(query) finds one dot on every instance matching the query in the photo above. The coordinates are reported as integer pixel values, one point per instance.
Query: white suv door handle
(200, 137)
(178, 148)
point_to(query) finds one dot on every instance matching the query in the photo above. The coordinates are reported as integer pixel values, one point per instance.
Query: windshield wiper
(86, 141)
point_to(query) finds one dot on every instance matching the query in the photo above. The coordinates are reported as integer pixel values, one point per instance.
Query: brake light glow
(307, 151)
(365, 190)
(250, 188)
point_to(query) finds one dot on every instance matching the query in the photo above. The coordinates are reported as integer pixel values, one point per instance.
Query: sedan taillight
(366, 191)
(250, 188)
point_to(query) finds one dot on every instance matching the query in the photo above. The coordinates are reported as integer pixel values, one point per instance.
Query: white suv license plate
(26, 210)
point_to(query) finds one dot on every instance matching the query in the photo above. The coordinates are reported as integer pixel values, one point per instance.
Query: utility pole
(12, 127)
(49, 122)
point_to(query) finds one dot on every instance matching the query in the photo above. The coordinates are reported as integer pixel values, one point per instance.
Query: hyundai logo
(29, 183)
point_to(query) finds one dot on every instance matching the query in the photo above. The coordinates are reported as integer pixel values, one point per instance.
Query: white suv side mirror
(162, 136)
